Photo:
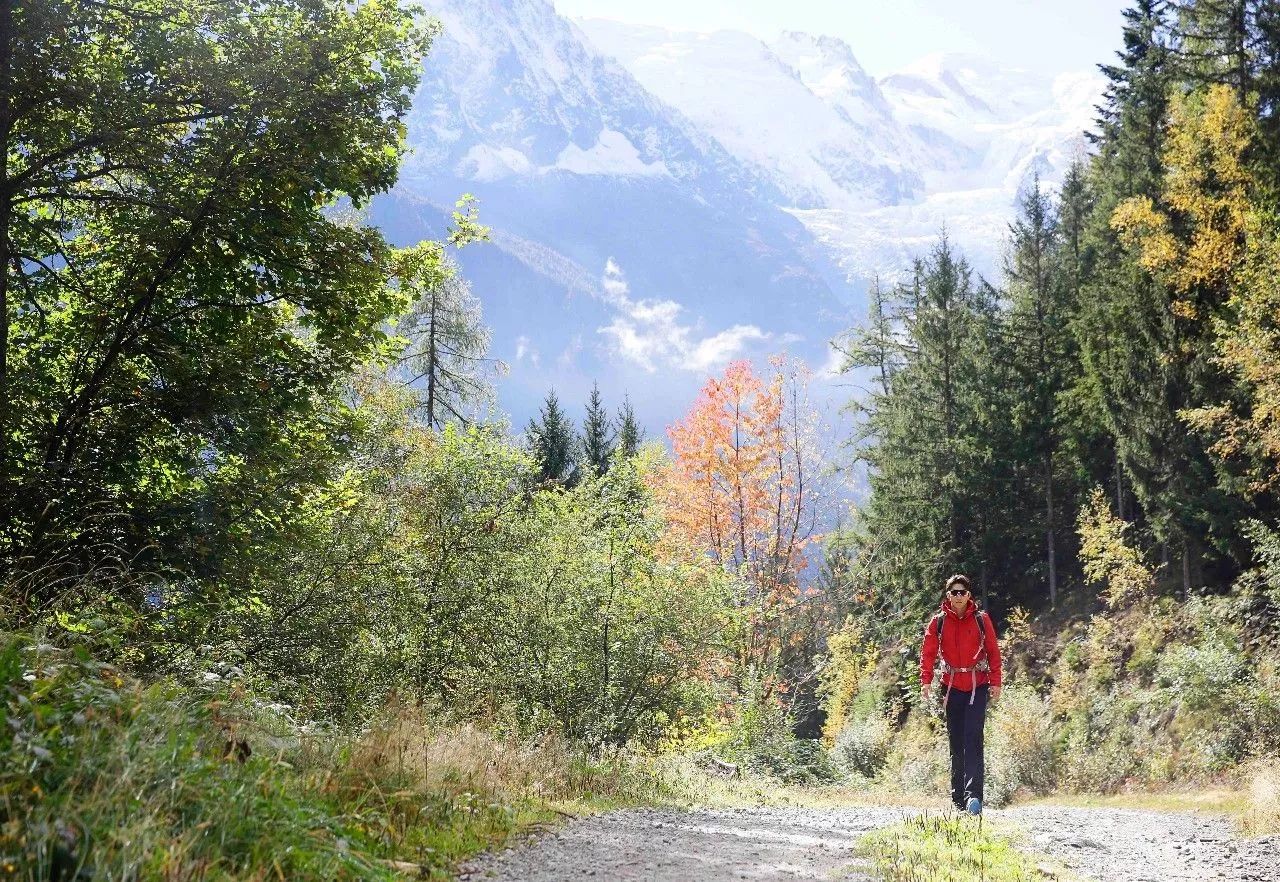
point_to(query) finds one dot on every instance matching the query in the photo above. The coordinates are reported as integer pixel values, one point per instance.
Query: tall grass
(104, 777)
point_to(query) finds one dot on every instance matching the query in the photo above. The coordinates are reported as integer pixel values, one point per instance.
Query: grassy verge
(951, 848)
(942, 848)
(1220, 800)
(1254, 803)
(104, 777)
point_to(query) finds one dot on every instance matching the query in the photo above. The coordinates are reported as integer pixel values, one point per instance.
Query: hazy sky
(1041, 35)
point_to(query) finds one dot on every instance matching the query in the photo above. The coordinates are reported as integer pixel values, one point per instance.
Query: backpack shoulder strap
(939, 619)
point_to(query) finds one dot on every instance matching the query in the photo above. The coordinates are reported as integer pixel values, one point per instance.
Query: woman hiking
(970, 659)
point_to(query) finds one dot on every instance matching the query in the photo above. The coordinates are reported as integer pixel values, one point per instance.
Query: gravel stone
(765, 844)
(707, 846)
(1127, 845)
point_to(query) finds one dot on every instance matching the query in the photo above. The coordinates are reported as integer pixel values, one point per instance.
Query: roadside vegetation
(952, 849)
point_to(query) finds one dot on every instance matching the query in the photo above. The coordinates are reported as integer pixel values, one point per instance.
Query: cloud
(650, 333)
(525, 349)
(569, 356)
(720, 348)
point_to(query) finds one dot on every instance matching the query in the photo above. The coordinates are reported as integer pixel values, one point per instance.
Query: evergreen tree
(598, 435)
(448, 340)
(1235, 43)
(873, 346)
(554, 444)
(927, 439)
(630, 435)
(1138, 352)
(1043, 353)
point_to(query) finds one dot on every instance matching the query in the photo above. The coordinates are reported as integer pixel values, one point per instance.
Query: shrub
(1108, 555)
(863, 746)
(1021, 752)
(846, 678)
(102, 776)
(120, 782)
(918, 759)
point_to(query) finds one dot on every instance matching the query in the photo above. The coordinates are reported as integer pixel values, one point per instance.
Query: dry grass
(1262, 814)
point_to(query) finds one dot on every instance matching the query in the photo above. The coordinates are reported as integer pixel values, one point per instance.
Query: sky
(1046, 36)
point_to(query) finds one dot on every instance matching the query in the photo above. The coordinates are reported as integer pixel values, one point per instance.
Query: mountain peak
(831, 50)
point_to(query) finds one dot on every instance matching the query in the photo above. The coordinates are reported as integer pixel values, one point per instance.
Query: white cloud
(525, 349)
(714, 351)
(649, 333)
(569, 356)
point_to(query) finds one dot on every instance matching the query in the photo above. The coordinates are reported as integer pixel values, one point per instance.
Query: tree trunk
(431, 365)
(1186, 569)
(6, 204)
(1049, 521)
(1119, 488)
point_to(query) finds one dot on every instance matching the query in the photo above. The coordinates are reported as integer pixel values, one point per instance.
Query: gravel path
(1124, 845)
(653, 845)
(671, 846)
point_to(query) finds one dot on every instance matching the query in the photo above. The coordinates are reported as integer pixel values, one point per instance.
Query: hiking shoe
(975, 806)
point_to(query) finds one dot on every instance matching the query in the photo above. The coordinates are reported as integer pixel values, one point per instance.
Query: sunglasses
(956, 592)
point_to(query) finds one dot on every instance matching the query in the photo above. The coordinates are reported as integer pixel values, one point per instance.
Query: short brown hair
(959, 579)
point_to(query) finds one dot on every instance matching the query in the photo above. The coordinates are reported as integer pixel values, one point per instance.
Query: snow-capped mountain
(802, 113)
(663, 202)
(875, 169)
(628, 246)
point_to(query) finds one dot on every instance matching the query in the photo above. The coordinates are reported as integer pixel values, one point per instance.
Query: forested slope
(1093, 436)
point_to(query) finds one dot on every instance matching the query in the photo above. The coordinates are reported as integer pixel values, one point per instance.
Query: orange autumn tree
(740, 485)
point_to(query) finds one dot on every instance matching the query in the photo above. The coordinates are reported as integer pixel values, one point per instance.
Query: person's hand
(995, 694)
(925, 689)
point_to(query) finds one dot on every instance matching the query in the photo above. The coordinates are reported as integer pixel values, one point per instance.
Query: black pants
(964, 731)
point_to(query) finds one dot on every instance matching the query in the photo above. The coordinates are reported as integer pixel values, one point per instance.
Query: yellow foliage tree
(1214, 243)
(1108, 555)
(1197, 239)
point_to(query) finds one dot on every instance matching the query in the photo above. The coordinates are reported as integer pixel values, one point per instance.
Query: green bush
(1200, 677)
(863, 746)
(114, 781)
(1021, 749)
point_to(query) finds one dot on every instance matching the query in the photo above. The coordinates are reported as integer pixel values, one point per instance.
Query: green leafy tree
(613, 622)
(176, 308)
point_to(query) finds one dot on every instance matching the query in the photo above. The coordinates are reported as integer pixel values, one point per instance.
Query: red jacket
(960, 649)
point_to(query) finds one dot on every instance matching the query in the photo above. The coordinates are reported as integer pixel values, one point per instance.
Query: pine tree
(1127, 331)
(630, 435)
(1039, 275)
(553, 444)
(598, 436)
(448, 346)
(1235, 43)
(1092, 445)
(873, 346)
(937, 488)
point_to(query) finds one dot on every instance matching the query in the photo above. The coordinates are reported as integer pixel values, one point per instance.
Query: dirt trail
(1147, 846)
(1108, 845)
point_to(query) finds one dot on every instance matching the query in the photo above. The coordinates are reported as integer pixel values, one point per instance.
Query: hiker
(970, 661)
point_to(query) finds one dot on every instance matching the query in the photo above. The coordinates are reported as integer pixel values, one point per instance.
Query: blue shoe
(975, 806)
